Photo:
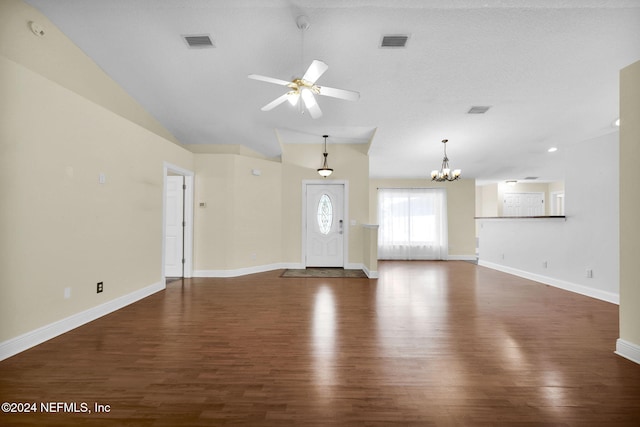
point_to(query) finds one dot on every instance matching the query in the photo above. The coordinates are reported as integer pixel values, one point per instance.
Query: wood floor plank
(428, 343)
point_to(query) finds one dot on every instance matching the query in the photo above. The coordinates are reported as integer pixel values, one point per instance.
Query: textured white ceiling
(548, 69)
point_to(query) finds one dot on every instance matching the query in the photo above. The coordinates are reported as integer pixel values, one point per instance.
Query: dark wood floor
(428, 343)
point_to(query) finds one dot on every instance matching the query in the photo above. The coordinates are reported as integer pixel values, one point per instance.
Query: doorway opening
(177, 231)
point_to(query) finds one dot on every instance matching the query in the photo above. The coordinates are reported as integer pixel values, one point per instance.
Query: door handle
(340, 224)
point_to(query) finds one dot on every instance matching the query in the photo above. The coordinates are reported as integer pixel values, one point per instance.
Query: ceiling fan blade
(269, 79)
(273, 104)
(315, 70)
(349, 95)
(310, 103)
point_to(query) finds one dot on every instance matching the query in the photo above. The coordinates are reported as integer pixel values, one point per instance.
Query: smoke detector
(36, 28)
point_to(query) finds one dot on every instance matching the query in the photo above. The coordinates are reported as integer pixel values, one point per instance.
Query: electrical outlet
(589, 273)
(99, 287)
(544, 264)
(67, 293)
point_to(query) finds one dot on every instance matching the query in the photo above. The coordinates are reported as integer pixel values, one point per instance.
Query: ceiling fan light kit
(306, 87)
(445, 173)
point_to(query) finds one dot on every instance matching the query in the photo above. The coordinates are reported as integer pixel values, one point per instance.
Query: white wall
(588, 239)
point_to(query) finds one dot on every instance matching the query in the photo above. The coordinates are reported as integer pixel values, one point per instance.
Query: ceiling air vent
(199, 41)
(531, 178)
(478, 110)
(394, 41)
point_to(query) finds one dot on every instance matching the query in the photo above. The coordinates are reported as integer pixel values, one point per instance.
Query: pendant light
(445, 173)
(325, 170)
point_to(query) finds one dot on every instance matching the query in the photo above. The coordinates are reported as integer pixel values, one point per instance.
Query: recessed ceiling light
(552, 149)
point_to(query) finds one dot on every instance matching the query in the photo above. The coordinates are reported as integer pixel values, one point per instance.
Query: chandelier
(445, 174)
(325, 170)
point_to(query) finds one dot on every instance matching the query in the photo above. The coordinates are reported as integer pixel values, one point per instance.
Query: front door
(325, 225)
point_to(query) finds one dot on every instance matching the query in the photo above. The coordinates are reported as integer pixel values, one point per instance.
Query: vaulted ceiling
(548, 69)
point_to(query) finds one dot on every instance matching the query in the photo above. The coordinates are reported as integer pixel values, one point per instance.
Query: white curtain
(413, 223)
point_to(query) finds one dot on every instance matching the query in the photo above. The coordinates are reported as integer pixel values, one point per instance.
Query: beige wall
(630, 204)
(240, 227)
(60, 228)
(214, 186)
(460, 208)
(56, 58)
(63, 123)
(487, 200)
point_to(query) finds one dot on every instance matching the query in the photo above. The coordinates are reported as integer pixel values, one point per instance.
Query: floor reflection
(324, 337)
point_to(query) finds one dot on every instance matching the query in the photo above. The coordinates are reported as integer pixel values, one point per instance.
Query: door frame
(555, 196)
(188, 216)
(345, 207)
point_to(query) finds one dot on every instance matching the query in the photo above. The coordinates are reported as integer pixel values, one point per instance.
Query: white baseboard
(246, 270)
(562, 284)
(371, 274)
(30, 339)
(462, 258)
(628, 350)
(270, 267)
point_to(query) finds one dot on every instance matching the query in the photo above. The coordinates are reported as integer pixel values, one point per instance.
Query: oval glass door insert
(325, 214)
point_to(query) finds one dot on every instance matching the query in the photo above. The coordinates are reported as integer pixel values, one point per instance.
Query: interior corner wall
(630, 208)
(460, 210)
(238, 202)
(257, 219)
(63, 231)
(213, 243)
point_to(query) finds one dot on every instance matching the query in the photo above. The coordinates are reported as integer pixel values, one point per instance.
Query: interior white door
(523, 204)
(325, 225)
(173, 227)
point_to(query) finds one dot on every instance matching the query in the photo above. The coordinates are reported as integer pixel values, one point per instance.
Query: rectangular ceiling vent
(394, 41)
(531, 178)
(199, 41)
(478, 109)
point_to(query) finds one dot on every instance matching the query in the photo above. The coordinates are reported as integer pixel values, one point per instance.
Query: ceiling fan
(306, 87)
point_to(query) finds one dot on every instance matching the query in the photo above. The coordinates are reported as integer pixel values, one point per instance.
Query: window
(325, 214)
(413, 223)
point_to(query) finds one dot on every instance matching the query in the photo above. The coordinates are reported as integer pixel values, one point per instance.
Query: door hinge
(184, 223)
(184, 186)
(183, 260)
